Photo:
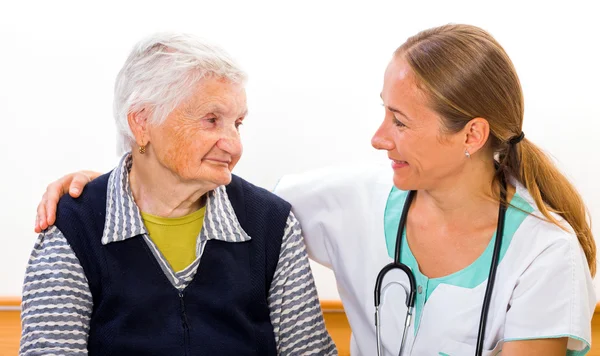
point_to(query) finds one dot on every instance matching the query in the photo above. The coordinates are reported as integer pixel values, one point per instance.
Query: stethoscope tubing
(411, 293)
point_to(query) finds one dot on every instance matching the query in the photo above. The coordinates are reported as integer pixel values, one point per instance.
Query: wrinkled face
(200, 140)
(411, 132)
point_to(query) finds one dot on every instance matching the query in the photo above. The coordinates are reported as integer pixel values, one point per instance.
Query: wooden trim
(336, 306)
(10, 304)
(10, 325)
(10, 301)
(326, 305)
(332, 306)
(329, 306)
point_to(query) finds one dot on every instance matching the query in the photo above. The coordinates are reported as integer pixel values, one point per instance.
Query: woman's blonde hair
(467, 74)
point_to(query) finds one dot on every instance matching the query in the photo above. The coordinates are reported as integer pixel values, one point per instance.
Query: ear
(477, 132)
(138, 123)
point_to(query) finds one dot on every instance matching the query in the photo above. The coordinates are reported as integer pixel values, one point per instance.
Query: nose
(381, 140)
(230, 142)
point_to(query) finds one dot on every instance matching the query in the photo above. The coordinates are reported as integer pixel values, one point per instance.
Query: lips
(398, 164)
(218, 160)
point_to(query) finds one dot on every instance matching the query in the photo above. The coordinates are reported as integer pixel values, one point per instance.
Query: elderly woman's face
(200, 139)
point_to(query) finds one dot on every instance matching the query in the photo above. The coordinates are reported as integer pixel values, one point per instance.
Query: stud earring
(467, 154)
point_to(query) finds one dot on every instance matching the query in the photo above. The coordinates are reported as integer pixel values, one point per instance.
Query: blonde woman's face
(411, 133)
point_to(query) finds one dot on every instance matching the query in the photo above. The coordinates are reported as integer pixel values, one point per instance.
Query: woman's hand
(72, 183)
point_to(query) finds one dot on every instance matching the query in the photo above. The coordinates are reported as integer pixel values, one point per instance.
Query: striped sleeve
(294, 305)
(57, 302)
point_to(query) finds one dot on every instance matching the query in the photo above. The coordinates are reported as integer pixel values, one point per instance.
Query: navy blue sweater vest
(137, 311)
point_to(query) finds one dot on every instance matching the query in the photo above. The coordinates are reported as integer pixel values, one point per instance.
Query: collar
(123, 219)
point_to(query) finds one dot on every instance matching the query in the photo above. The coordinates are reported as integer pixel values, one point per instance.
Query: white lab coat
(543, 285)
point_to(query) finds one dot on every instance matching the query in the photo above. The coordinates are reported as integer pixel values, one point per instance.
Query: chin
(224, 181)
(217, 176)
(403, 184)
(221, 178)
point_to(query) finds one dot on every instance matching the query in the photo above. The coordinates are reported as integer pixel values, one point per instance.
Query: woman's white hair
(161, 71)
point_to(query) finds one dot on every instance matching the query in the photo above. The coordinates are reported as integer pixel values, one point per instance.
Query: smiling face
(422, 153)
(200, 140)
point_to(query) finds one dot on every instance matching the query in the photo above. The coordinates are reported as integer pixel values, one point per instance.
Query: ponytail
(552, 192)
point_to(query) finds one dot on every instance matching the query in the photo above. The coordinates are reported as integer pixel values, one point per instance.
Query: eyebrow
(397, 111)
(220, 109)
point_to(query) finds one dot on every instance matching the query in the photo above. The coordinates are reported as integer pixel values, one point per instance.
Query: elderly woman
(169, 253)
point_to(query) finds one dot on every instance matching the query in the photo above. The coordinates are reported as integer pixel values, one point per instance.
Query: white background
(316, 70)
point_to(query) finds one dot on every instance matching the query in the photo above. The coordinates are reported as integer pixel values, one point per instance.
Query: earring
(142, 149)
(467, 154)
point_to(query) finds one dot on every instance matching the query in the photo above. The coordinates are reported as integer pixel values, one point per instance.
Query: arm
(546, 347)
(303, 192)
(72, 183)
(57, 302)
(294, 305)
(552, 304)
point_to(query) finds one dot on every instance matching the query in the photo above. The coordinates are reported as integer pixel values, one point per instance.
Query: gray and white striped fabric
(57, 302)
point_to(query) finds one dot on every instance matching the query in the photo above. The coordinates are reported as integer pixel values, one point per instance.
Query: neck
(463, 198)
(160, 192)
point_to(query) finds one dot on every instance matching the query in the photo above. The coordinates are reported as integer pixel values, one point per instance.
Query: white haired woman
(169, 253)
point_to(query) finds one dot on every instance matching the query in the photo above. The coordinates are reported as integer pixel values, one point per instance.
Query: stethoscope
(411, 291)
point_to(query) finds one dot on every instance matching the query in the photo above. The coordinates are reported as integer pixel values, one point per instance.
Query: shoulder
(347, 180)
(93, 190)
(240, 188)
(91, 203)
(538, 240)
(539, 229)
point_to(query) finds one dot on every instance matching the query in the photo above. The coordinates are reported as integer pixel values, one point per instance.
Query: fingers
(41, 222)
(50, 199)
(38, 219)
(79, 181)
(71, 183)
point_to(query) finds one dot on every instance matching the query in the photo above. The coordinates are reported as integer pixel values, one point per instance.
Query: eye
(212, 120)
(398, 123)
(239, 122)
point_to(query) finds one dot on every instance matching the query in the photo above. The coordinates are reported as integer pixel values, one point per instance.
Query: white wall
(316, 71)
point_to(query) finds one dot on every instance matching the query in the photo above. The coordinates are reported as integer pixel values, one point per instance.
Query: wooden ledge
(327, 305)
(332, 306)
(10, 303)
